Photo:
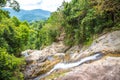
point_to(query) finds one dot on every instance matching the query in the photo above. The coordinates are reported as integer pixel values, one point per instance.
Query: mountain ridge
(29, 15)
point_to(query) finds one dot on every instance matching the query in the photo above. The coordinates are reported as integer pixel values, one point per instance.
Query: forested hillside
(80, 21)
(12, 39)
(29, 15)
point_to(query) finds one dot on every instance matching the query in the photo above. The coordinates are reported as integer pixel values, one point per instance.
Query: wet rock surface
(108, 43)
(105, 69)
(35, 69)
(56, 49)
(42, 61)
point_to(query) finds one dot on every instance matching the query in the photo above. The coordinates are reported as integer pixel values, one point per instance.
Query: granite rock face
(108, 43)
(105, 69)
(56, 49)
(41, 61)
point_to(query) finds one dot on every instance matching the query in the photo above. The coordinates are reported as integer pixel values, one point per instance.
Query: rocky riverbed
(108, 68)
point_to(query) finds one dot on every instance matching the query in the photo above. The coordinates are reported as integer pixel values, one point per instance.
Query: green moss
(89, 42)
(46, 67)
(56, 74)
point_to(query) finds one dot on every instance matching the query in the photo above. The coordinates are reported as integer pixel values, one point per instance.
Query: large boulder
(105, 69)
(35, 69)
(108, 43)
(56, 49)
(41, 61)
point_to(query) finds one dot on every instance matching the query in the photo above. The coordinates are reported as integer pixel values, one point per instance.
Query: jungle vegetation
(80, 20)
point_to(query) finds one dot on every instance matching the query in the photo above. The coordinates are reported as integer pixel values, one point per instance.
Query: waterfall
(96, 56)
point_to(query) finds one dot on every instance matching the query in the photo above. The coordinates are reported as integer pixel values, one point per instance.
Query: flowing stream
(96, 56)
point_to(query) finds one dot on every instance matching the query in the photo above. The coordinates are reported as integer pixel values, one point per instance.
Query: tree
(10, 66)
(82, 19)
(10, 3)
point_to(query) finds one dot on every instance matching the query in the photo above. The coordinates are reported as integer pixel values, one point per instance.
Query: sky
(49, 5)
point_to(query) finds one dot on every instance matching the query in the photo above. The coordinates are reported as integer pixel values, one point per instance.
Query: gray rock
(107, 69)
(108, 43)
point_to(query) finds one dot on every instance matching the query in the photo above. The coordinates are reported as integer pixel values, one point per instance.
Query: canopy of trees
(82, 19)
(10, 43)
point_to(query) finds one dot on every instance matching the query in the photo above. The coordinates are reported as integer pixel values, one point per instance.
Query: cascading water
(96, 56)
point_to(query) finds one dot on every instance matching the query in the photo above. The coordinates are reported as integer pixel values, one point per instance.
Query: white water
(70, 65)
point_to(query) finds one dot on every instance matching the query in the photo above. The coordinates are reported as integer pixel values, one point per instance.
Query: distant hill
(29, 15)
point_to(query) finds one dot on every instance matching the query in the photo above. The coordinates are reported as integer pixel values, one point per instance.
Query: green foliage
(85, 18)
(80, 20)
(43, 33)
(13, 35)
(47, 35)
(29, 15)
(10, 66)
(34, 36)
(11, 3)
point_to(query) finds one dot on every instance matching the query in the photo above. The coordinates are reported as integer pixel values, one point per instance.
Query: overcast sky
(50, 5)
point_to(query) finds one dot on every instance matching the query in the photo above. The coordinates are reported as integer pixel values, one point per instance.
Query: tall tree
(10, 3)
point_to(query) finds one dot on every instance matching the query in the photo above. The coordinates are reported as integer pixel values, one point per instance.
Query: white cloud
(50, 5)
